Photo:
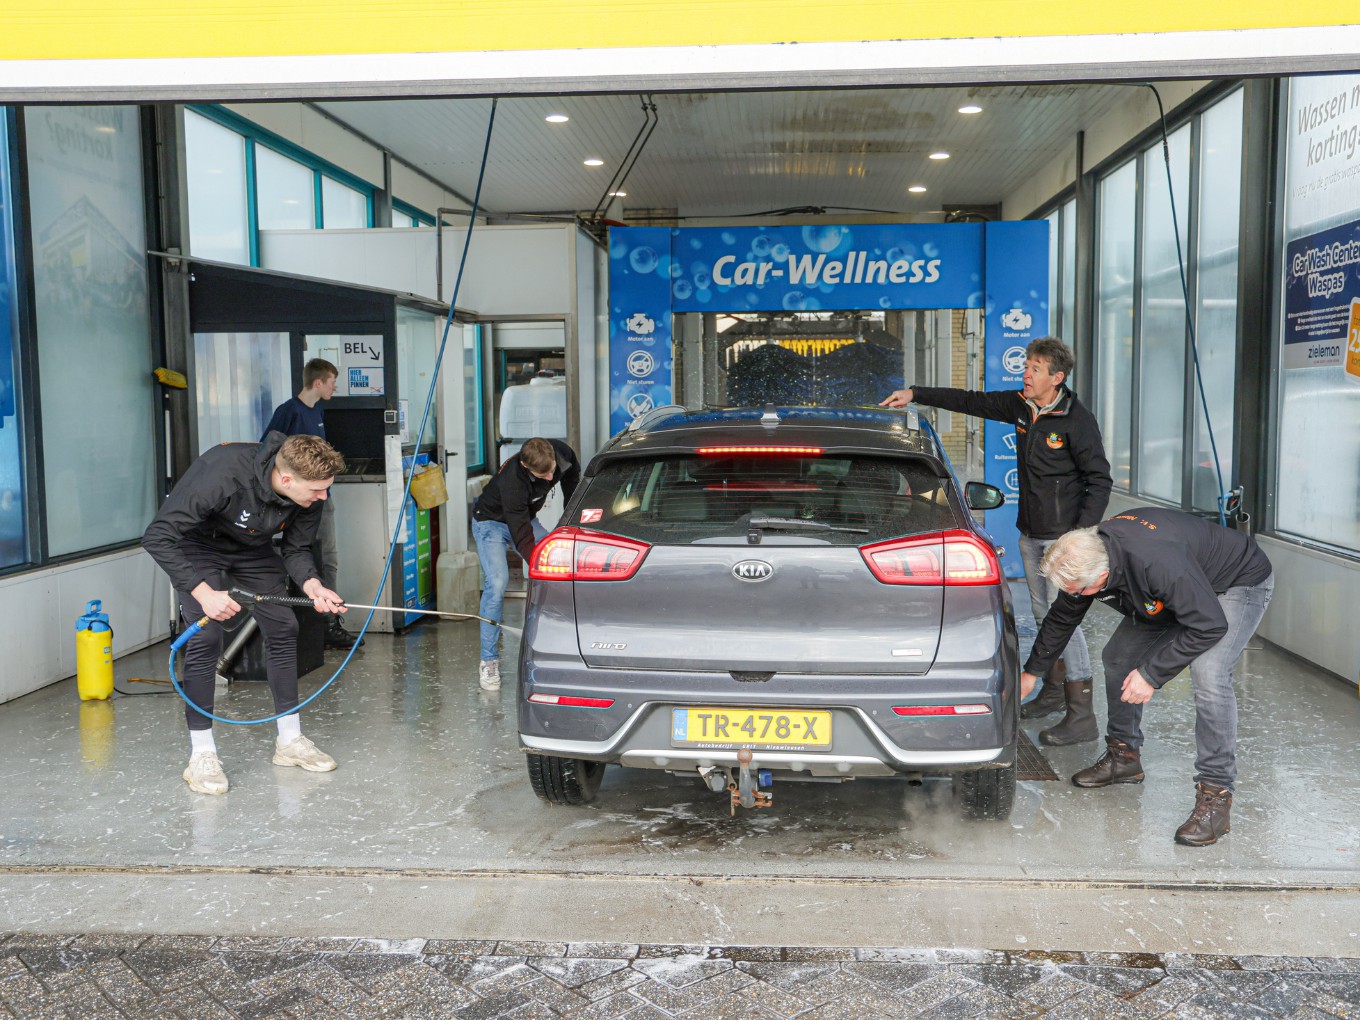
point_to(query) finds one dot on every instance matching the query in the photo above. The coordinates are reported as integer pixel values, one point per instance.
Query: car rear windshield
(838, 500)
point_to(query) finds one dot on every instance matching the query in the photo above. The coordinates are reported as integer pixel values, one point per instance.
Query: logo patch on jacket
(1153, 606)
(1055, 441)
(243, 520)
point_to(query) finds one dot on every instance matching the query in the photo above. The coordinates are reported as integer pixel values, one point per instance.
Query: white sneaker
(489, 674)
(302, 752)
(205, 775)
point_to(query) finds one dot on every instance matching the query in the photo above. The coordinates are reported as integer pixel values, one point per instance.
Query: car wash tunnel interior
(489, 262)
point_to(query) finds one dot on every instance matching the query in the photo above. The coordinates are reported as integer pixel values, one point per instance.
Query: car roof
(844, 429)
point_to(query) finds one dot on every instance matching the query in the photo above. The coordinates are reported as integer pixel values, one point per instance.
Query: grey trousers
(1211, 676)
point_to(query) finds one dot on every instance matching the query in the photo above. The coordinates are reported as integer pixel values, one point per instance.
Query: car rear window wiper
(796, 524)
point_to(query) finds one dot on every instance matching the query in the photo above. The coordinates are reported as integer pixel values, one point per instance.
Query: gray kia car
(753, 596)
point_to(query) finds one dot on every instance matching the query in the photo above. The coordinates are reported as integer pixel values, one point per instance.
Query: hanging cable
(194, 628)
(1224, 496)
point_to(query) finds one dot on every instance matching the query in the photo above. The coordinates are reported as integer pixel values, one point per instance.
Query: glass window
(1054, 268)
(1220, 193)
(472, 397)
(239, 378)
(13, 534)
(417, 347)
(845, 500)
(1317, 459)
(218, 224)
(1067, 319)
(1161, 400)
(1117, 204)
(285, 192)
(100, 415)
(342, 206)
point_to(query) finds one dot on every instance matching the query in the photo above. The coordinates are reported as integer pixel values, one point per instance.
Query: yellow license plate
(749, 727)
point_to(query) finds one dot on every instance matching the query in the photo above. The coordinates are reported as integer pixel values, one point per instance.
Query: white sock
(200, 741)
(290, 727)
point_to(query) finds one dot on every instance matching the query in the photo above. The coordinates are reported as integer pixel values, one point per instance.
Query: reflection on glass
(1161, 400)
(417, 346)
(285, 193)
(239, 378)
(472, 397)
(342, 206)
(1116, 200)
(13, 538)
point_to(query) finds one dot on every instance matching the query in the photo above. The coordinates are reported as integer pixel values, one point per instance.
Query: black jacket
(1167, 568)
(225, 504)
(1064, 476)
(514, 496)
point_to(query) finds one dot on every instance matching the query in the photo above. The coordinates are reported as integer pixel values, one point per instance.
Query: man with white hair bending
(1193, 594)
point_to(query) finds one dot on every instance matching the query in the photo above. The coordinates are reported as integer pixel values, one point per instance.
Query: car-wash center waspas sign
(656, 272)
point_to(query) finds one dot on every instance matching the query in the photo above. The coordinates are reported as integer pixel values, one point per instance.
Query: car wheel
(565, 780)
(986, 794)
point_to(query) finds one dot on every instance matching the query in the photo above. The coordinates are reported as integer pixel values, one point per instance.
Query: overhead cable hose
(198, 625)
(1223, 494)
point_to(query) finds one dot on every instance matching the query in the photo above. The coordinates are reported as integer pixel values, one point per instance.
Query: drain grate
(1032, 764)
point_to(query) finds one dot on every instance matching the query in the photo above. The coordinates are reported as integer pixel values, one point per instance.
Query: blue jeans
(1041, 596)
(493, 539)
(1211, 675)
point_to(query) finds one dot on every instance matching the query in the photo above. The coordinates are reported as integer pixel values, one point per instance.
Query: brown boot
(1119, 764)
(1209, 818)
(1079, 724)
(1051, 696)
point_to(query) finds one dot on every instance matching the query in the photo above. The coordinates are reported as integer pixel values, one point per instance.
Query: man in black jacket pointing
(216, 529)
(1192, 594)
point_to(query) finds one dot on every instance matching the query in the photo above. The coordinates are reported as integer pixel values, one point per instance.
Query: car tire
(986, 794)
(571, 781)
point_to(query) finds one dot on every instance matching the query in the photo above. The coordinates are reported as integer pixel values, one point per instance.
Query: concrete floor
(429, 828)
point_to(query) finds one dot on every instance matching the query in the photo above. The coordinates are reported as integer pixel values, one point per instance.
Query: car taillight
(948, 557)
(570, 701)
(574, 554)
(942, 709)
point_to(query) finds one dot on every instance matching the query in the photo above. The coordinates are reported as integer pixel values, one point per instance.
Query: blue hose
(194, 628)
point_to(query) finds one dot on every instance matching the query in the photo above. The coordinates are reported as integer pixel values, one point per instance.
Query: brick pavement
(176, 977)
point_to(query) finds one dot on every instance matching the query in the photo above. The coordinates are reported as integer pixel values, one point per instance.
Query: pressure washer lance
(244, 597)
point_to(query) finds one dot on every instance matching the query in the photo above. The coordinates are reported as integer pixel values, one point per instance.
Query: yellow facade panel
(117, 29)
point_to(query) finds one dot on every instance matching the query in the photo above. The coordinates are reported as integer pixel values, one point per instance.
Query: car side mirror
(981, 496)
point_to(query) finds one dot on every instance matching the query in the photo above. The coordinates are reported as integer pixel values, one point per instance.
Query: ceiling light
(557, 118)
(594, 162)
(939, 155)
(917, 189)
(618, 194)
(970, 108)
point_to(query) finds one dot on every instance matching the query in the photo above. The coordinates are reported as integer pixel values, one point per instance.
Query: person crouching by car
(504, 518)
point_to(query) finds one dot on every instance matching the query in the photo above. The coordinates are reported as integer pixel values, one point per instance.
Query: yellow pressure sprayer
(94, 654)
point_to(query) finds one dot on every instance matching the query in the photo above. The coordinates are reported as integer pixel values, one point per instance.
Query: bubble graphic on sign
(676, 271)
(702, 279)
(795, 301)
(643, 260)
(760, 245)
(825, 239)
(728, 237)
(695, 243)
(884, 302)
(703, 296)
(780, 251)
(617, 249)
(682, 290)
(931, 249)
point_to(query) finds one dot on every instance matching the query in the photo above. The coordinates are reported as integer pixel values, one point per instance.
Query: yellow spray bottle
(94, 654)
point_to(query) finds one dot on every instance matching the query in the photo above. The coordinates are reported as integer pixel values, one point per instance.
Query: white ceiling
(740, 153)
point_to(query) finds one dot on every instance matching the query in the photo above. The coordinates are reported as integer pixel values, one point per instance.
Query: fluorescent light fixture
(970, 108)
(917, 189)
(618, 194)
(594, 162)
(939, 155)
(557, 118)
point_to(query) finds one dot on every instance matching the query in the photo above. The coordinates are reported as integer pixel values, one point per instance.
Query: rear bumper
(868, 739)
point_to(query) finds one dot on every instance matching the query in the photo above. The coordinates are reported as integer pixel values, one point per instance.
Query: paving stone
(1200, 961)
(619, 981)
(899, 977)
(1243, 985)
(678, 971)
(472, 969)
(1285, 997)
(178, 943)
(843, 1009)
(603, 950)
(166, 969)
(609, 1007)
(1160, 999)
(1276, 964)
(121, 943)
(1088, 1004)
(768, 954)
(269, 1006)
(775, 999)
(1336, 966)
(1006, 979)
(402, 947)
(249, 944)
(551, 994)
(661, 950)
(531, 949)
(573, 973)
(1053, 988)
(367, 969)
(1345, 987)
(982, 1002)
(460, 947)
(727, 1007)
(257, 965)
(320, 945)
(933, 991)
(503, 979)
(789, 976)
(493, 1008)
(804, 954)
(1124, 982)
(695, 993)
(1139, 960)
(1212, 1005)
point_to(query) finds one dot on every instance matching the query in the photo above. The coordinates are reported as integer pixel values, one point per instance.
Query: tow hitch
(742, 787)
